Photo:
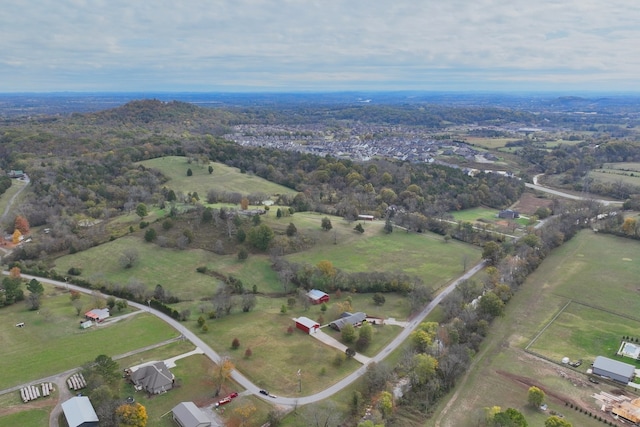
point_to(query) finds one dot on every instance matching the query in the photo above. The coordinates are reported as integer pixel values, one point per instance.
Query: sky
(319, 46)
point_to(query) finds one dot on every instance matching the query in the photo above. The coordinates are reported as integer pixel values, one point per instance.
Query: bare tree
(129, 257)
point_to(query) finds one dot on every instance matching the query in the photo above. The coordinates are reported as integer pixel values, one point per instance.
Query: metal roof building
(617, 371)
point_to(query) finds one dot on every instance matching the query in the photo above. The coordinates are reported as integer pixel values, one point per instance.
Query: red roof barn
(307, 325)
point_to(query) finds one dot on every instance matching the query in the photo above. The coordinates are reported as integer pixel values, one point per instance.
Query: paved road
(254, 389)
(539, 187)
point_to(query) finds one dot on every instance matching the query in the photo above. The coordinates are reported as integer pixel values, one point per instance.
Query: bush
(75, 271)
(235, 343)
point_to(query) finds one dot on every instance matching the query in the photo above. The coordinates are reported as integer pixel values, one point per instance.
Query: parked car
(265, 392)
(233, 395)
(593, 380)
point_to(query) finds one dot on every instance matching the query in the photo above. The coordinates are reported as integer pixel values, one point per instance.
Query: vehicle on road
(265, 392)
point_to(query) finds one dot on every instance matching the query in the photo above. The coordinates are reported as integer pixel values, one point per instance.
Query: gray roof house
(154, 378)
(354, 319)
(187, 414)
(617, 371)
(79, 412)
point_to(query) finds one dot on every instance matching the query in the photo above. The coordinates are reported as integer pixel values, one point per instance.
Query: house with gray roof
(154, 378)
(354, 319)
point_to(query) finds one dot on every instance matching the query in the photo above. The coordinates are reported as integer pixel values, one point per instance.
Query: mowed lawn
(476, 214)
(52, 341)
(591, 268)
(582, 332)
(223, 178)
(424, 255)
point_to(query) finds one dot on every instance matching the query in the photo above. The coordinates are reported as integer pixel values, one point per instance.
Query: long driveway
(537, 186)
(295, 400)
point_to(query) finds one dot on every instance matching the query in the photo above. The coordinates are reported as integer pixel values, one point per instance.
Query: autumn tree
(244, 204)
(628, 226)
(14, 273)
(535, 396)
(15, 238)
(134, 415)
(22, 224)
(556, 421)
(244, 413)
(222, 373)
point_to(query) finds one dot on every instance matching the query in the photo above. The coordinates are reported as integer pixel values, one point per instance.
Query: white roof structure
(79, 411)
(187, 414)
(305, 321)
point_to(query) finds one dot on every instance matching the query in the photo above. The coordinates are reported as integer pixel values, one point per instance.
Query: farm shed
(617, 371)
(366, 217)
(317, 297)
(79, 412)
(97, 314)
(154, 378)
(354, 319)
(307, 325)
(508, 214)
(187, 414)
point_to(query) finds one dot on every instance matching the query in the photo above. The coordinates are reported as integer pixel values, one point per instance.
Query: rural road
(539, 187)
(254, 389)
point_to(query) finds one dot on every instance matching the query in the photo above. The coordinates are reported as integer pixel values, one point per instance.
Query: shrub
(75, 271)
(235, 343)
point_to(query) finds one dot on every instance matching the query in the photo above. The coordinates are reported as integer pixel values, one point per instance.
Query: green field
(223, 178)
(423, 255)
(627, 173)
(52, 341)
(476, 214)
(490, 143)
(593, 269)
(174, 269)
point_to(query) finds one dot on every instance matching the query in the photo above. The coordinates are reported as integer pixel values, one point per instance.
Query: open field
(423, 255)
(52, 341)
(223, 178)
(476, 214)
(590, 268)
(174, 269)
(490, 143)
(615, 176)
(582, 332)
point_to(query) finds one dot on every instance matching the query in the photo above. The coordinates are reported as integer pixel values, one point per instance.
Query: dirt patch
(34, 404)
(529, 203)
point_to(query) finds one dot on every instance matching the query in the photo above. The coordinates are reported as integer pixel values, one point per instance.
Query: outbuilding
(97, 314)
(613, 369)
(187, 414)
(79, 412)
(307, 325)
(317, 297)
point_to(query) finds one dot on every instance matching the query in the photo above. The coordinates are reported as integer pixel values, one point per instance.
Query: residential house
(97, 314)
(508, 214)
(154, 377)
(354, 319)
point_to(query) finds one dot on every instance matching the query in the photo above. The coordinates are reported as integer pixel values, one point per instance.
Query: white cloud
(228, 44)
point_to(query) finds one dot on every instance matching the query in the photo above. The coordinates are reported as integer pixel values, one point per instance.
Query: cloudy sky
(319, 45)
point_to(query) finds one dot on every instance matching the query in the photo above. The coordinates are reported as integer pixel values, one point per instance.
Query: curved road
(539, 187)
(254, 389)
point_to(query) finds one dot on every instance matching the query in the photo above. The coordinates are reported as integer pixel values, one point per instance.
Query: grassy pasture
(52, 341)
(424, 255)
(489, 143)
(16, 185)
(32, 418)
(223, 178)
(582, 332)
(476, 214)
(614, 176)
(591, 268)
(174, 269)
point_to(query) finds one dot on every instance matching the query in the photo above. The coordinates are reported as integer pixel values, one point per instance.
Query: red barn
(307, 325)
(317, 297)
